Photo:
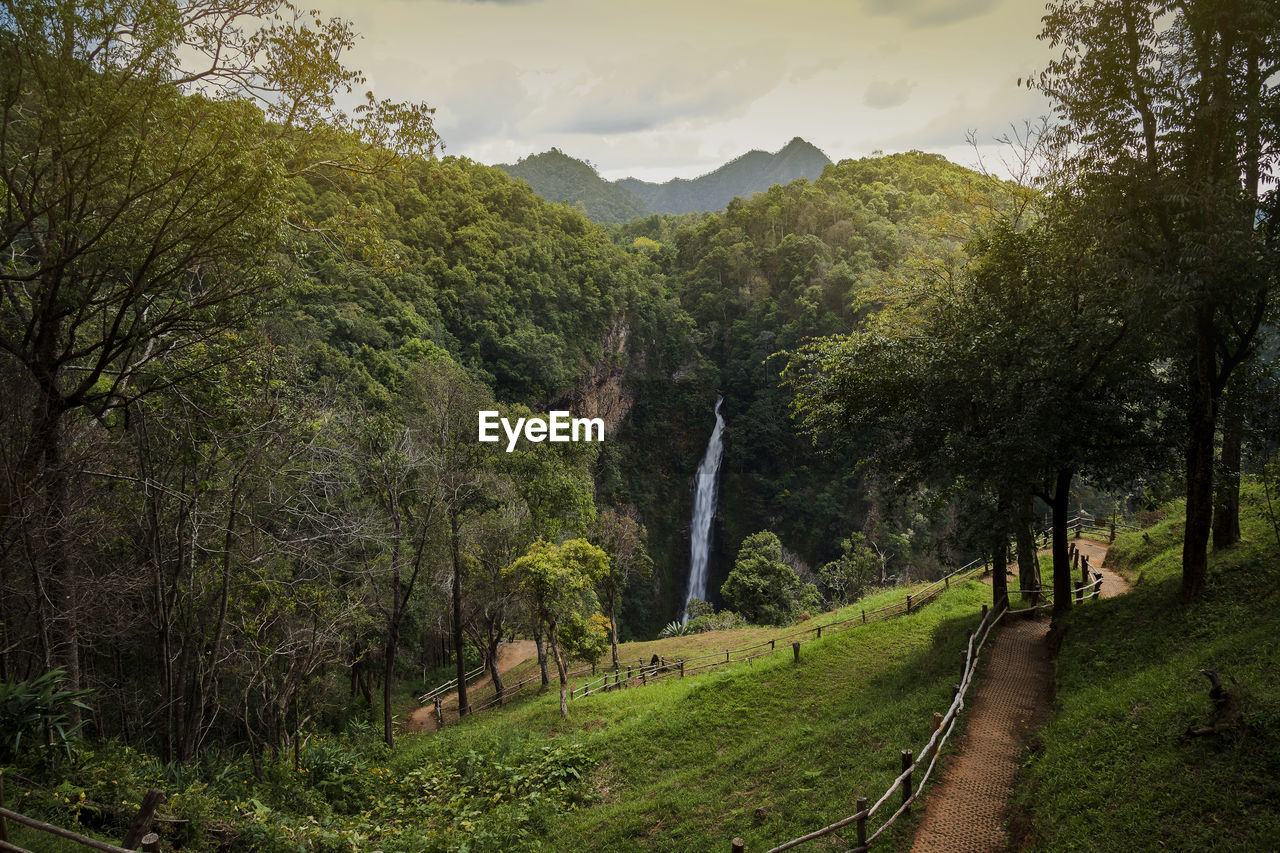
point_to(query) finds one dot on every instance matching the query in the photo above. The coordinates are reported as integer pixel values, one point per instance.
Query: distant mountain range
(558, 177)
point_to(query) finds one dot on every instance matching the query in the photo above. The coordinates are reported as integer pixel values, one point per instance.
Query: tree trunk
(1061, 562)
(1028, 570)
(561, 670)
(388, 673)
(491, 651)
(613, 631)
(1226, 509)
(999, 579)
(1202, 419)
(542, 655)
(458, 645)
(49, 439)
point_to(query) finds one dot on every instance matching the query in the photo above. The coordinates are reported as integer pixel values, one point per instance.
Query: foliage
(761, 586)
(677, 628)
(846, 578)
(35, 710)
(557, 177)
(725, 620)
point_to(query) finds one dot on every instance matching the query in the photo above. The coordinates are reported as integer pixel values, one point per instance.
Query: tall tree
(622, 538)
(1171, 107)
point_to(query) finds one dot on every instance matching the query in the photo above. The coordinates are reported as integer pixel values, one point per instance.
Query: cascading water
(704, 510)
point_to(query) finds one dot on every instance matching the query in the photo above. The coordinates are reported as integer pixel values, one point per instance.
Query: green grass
(766, 750)
(1115, 768)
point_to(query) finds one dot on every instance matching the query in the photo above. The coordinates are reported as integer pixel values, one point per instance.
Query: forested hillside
(557, 177)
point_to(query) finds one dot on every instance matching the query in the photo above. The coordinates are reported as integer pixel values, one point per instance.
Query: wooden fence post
(739, 846)
(151, 843)
(795, 650)
(439, 714)
(906, 782)
(933, 729)
(984, 613)
(772, 647)
(864, 616)
(955, 691)
(862, 822)
(682, 667)
(142, 821)
(4, 827)
(946, 580)
(819, 632)
(1113, 528)
(908, 603)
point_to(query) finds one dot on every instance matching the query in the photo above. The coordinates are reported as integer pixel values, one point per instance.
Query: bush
(35, 713)
(722, 621)
(761, 586)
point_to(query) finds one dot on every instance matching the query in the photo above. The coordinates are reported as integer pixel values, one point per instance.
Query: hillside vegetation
(1116, 761)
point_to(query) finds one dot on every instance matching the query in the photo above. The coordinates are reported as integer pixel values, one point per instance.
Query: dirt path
(968, 810)
(510, 655)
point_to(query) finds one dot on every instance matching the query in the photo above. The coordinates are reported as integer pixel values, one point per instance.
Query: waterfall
(704, 510)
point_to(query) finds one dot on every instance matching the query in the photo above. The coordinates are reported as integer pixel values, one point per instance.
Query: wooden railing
(942, 727)
(450, 685)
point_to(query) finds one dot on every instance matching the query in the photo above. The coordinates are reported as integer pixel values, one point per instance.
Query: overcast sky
(667, 88)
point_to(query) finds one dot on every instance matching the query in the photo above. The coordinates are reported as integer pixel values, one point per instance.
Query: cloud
(931, 13)
(646, 92)
(885, 94)
(479, 101)
(1001, 109)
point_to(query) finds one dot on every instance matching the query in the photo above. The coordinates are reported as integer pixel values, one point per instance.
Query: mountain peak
(557, 176)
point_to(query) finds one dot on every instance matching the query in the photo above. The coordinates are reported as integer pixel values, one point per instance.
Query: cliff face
(602, 393)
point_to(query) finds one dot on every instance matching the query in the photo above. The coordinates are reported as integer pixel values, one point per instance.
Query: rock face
(745, 176)
(602, 394)
(557, 177)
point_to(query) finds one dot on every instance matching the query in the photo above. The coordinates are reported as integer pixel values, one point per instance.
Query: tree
(1010, 375)
(1169, 107)
(847, 577)
(622, 538)
(557, 582)
(443, 401)
(144, 200)
(761, 586)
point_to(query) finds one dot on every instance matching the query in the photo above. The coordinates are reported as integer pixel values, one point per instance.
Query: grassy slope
(1115, 768)
(685, 765)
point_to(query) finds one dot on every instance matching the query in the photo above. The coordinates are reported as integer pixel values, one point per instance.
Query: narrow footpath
(968, 810)
(510, 655)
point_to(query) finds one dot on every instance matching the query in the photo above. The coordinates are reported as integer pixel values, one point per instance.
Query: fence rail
(450, 685)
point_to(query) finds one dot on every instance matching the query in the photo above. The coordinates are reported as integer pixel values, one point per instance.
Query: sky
(674, 88)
